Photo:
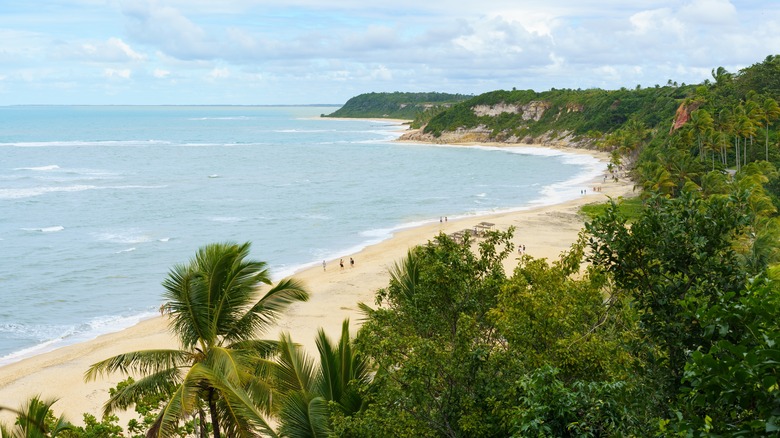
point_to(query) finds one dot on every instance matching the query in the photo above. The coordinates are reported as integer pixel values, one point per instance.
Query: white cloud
(112, 50)
(710, 12)
(219, 73)
(382, 73)
(152, 22)
(160, 73)
(117, 73)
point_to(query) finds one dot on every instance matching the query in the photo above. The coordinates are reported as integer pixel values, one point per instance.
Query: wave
(72, 143)
(51, 337)
(40, 168)
(126, 250)
(131, 237)
(46, 229)
(227, 219)
(223, 118)
(38, 191)
(303, 131)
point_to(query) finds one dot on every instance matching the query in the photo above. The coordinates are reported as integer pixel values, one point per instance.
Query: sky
(265, 52)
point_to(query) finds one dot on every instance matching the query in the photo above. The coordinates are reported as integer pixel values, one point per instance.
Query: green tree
(464, 351)
(107, 427)
(214, 312)
(730, 388)
(770, 111)
(432, 341)
(702, 124)
(722, 76)
(674, 260)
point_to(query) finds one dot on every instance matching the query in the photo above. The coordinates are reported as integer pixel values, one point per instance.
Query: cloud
(112, 50)
(117, 73)
(219, 73)
(382, 73)
(153, 23)
(709, 12)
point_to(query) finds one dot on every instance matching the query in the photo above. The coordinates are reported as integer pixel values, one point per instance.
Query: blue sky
(326, 51)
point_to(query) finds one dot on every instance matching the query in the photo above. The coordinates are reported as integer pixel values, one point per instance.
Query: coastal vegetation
(418, 106)
(663, 319)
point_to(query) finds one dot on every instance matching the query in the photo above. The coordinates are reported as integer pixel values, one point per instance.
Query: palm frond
(189, 314)
(240, 415)
(267, 310)
(406, 275)
(139, 362)
(294, 370)
(260, 347)
(366, 310)
(341, 368)
(327, 383)
(303, 415)
(183, 401)
(31, 420)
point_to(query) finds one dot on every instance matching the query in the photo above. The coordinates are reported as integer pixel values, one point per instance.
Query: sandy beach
(545, 231)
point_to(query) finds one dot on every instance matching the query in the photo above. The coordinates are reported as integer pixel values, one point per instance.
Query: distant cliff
(410, 106)
(566, 117)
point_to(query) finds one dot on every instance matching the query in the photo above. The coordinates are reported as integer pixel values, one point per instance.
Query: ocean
(98, 202)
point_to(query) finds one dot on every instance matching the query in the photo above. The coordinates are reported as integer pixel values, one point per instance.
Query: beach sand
(545, 231)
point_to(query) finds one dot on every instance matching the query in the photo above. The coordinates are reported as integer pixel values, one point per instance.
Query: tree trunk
(204, 431)
(213, 410)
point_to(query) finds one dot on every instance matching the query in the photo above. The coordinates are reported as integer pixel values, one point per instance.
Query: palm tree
(770, 111)
(754, 115)
(311, 393)
(32, 421)
(721, 76)
(725, 126)
(212, 310)
(702, 123)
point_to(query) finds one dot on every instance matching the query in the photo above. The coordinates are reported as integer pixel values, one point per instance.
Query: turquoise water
(96, 203)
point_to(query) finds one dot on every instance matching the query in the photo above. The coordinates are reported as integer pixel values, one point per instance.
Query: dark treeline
(418, 106)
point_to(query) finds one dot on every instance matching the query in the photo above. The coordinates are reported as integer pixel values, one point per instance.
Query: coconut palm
(31, 421)
(311, 392)
(702, 123)
(770, 111)
(213, 309)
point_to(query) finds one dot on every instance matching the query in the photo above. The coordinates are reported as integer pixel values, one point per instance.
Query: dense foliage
(397, 105)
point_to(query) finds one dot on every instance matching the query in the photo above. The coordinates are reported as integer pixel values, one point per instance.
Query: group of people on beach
(341, 264)
(593, 189)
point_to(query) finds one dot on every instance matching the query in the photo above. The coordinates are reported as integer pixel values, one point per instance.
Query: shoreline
(335, 294)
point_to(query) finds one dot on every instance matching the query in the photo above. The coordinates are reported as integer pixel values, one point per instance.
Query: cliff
(556, 117)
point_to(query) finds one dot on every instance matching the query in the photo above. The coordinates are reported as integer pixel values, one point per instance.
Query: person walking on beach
(341, 263)
(351, 262)
(323, 265)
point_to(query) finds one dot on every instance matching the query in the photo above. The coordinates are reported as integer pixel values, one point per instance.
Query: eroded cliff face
(482, 134)
(533, 110)
(683, 114)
